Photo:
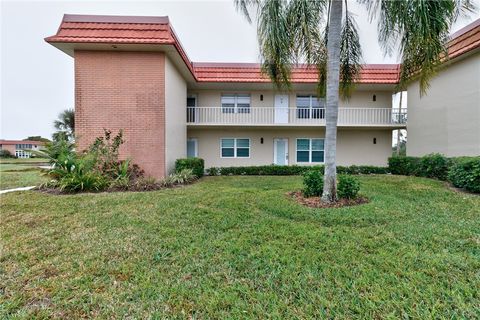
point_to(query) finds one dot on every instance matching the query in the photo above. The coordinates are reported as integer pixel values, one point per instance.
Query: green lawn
(16, 173)
(237, 247)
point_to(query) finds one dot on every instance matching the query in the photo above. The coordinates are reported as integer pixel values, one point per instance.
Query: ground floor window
(22, 154)
(235, 147)
(192, 148)
(310, 150)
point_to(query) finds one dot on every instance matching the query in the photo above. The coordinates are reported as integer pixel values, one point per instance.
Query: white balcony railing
(293, 116)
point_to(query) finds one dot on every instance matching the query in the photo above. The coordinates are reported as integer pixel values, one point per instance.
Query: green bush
(184, 176)
(348, 187)
(434, 166)
(465, 173)
(362, 170)
(6, 154)
(276, 170)
(313, 183)
(197, 165)
(78, 181)
(407, 166)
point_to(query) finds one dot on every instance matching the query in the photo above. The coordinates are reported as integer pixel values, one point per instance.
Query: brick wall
(123, 90)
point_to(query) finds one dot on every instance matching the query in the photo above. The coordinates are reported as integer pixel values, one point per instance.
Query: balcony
(270, 116)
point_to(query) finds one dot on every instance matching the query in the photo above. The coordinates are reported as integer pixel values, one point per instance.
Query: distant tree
(6, 154)
(37, 138)
(65, 125)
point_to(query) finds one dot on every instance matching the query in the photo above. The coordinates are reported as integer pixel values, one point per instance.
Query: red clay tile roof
(251, 72)
(118, 30)
(158, 30)
(464, 40)
(10, 142)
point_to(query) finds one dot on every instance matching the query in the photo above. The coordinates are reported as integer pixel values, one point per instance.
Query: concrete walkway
(16, 189)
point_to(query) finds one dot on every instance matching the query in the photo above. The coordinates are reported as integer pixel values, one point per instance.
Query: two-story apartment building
(132, 73)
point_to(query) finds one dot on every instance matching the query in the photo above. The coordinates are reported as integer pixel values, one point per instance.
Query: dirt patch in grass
(460, 190)
(316, 202)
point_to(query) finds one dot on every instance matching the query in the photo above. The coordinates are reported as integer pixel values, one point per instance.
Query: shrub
(407, 166)
(465, 173)
(6, 154)
(433, 165)
(183, 177)
(313, 183)
(276, 170)
(362, 170)
(348, 187)
(197, 165)
(144, 184)
(105, 151)
(83, 181)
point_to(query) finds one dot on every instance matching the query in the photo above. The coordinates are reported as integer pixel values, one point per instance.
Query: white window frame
(310, 105)
(196, 146)
(235, 97)
(310, 149)
(235, 148)
(22, 154)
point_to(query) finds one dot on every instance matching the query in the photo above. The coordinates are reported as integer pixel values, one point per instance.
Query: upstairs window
(236, 103)
(235, 148)
(310, 107)
(23, 146)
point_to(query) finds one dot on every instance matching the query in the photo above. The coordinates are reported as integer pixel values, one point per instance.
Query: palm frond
(350, 55)
(421, 30)
(244, 7)
(304, 18)
(274, 37)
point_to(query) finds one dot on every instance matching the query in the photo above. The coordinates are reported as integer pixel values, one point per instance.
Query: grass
(237, 247)
(16, 173)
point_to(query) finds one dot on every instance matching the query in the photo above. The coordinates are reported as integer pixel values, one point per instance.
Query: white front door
(281, 108)
(280, 151)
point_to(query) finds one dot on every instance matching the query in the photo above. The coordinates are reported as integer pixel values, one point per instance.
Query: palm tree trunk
(331, 112)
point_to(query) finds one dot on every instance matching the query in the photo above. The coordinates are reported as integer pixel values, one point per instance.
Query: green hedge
(276, 170)
(197, 165)
(465, 173)
(433, 165)
(401, 165)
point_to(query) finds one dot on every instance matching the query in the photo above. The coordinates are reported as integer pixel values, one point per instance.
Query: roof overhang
(151, 34)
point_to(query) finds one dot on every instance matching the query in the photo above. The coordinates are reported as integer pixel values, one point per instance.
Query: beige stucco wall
(364, 99)
(355, 146)
(447, 118)
(175, 115)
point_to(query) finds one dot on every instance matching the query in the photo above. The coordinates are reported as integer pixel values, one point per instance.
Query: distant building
(21, 148)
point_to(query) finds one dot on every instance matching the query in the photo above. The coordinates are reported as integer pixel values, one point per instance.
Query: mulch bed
(316, 202)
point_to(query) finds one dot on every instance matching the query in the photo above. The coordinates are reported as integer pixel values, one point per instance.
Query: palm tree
(323, 33)
(65, 125)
